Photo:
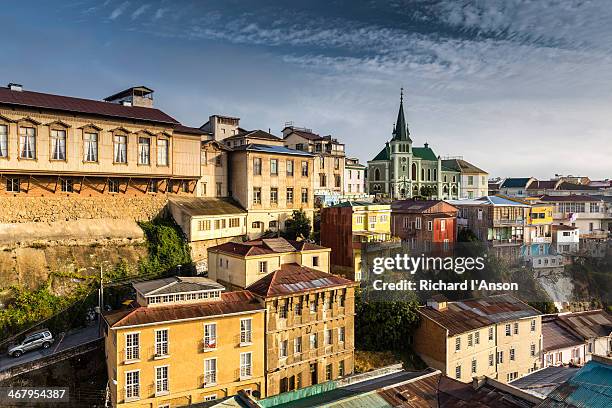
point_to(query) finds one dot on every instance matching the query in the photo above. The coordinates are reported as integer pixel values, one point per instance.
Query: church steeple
(401, 132)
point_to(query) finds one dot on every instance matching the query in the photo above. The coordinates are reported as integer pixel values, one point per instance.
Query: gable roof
(231, 302)
(516, 182)
(306, 134)
(293, 278)
(84, 106)
(471, 314)
(255, 134)
(543, 185)
(383, 154)
(588, 325)
(462, 166)
(425, 153)
(265, 246)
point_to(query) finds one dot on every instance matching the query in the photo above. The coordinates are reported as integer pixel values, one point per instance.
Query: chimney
(15, 87)
(438, 302)
(426, 145)
(478, 382)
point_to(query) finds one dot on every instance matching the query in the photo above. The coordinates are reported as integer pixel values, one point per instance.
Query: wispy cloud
(159, 13)
(119, 10)
(140, 11)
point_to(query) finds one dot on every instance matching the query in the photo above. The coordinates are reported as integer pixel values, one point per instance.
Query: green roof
(383, 155)
(424, 153)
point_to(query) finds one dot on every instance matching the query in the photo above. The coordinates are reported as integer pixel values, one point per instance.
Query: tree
(428, 191)
(544, 307)
(298, 226)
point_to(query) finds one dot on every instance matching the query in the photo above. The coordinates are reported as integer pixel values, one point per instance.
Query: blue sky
(519, 88)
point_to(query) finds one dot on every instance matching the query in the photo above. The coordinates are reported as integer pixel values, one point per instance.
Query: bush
(167, 248)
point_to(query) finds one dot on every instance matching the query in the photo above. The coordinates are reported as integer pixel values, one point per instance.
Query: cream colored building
(240, 264)
(185, 342)
(214, 159)
(497, 336)
(270, 182)
(329, 163)
(207, 222)
(51, 144)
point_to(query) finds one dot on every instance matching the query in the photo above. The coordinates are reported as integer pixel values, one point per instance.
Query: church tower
(401, 155)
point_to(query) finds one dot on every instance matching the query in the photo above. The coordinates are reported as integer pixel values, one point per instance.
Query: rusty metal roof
(80, 105)
(265, 246)
(471, 314)
(231, 302)
(293, 278)
(588, 325)
(555, 337)
(200, 206)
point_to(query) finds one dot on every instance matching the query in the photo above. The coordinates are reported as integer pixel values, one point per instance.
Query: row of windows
(274, 195)
(328, 339)
(162, 340)
(322, 163)
(219, 224)
(323, 180)
(493, 359)
(218, 191)
(274, 167)
(326, 302)
(58, 142)
(417, 224)
(67, 185)
(215, 294)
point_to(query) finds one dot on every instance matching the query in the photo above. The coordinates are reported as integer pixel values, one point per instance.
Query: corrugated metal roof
(555, 337)
(176, 284)
(543, 381)
(198, 206)
(588, 325)
(591, 387)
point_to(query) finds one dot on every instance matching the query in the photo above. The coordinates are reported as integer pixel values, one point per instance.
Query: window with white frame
(246, 368)
(417, 223)
(161, 342)
(297, 345)
(313, 341)
(263, 266)
(533, 325)
(162, 152)
(27, 142)
(328, 337)
(283, 349)
(341, 334)
(508, 330)
(458, 344)
(120, 149)
(132, 384)
(58, 144)
(3, 141)
(132, 346)
(512, 354)
(13, 185)
(90, 146)
(144, 150)
(245, 330)
(210, 371)
(210, 335)
(161, 379)
(474, 366)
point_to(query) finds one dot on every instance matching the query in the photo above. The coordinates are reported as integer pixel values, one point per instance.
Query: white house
(566, 239)
(354, 179)
(594, 327)
(559, 345)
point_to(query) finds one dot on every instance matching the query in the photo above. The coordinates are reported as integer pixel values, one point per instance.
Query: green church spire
(401, 131)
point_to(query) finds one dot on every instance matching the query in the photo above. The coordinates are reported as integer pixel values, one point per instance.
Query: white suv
(42, 338)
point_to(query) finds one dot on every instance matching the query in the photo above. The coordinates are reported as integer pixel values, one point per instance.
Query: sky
(516, 87)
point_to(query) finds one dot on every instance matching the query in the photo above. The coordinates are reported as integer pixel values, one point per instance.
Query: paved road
(71, 339)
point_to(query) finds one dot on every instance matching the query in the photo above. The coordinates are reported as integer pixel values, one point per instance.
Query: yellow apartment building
(59, 145)
(240, 264)
(346, 226)
(207, 222)
(309, 326)
(498, 336)
(186, 341)
(270, 182)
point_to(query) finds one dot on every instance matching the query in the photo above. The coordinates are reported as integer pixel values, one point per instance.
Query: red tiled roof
(231, 302)
(259, 247)
(293, 278)
(80, 105)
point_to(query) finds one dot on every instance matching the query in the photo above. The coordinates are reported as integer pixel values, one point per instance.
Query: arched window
(377, 174)
(414, 171)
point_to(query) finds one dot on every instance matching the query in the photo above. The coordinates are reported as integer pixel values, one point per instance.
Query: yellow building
(185, 342)
(346, 226)
(270, 182)
(498, 336)
(240, 264)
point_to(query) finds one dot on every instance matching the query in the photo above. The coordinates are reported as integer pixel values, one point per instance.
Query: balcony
(208, 345)
(517, 222)
(130, 356)
(131, 393)
(208, 380)
(158, 354)
(243, 373)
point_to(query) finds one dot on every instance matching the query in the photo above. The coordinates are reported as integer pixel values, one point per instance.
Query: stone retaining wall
(50, 209)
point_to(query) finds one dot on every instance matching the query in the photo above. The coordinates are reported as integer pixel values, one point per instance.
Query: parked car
(39, 339)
